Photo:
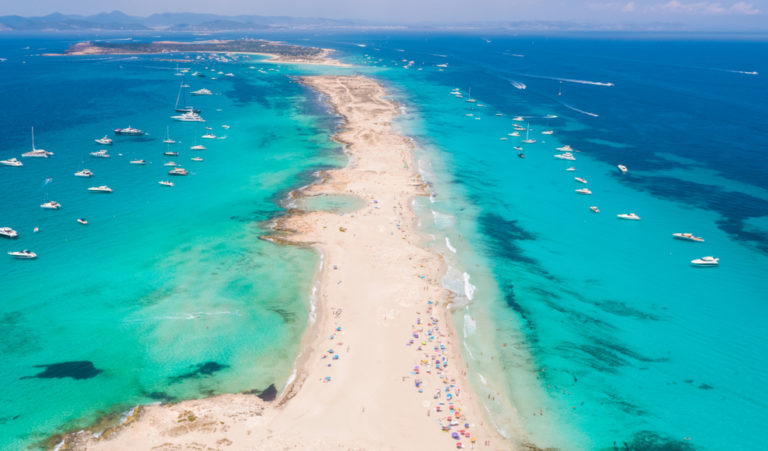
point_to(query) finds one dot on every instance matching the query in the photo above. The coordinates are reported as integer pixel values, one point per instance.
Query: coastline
(355, 380)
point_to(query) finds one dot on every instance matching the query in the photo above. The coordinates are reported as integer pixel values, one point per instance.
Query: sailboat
(168, 139)
(560, 89)
(469, 97)
(182, 95)
(528, 140)
(38, 153)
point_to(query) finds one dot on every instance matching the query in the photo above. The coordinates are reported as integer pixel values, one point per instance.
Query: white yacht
(584, 191)
(8, 232)
(84, 173)
(11, 162)
(170, 163)
(688, 237)
(23, 255)
(595, 209)
(514, 134)
(548, 132)
(105, 140)
(503, 138)
(196, 159)
(165, 183)
(129, 131)
(189, 116)
(706, 261)
(622, 168)
(99, 154)
(580, 180)
(209, 136)
(138, 162)
(565, 156)
(51, 205)
(571, 169)
(630, 216)
(565, 148)
(518, 148)
(82, 221)
(178, 171)
(201, 92)
(171, 154)
(197, 147)
(225, 126)
(36, 153)
(230, 74)
(100, 189)
(518, 119)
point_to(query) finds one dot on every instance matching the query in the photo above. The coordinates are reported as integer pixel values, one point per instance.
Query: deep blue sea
(583, 330)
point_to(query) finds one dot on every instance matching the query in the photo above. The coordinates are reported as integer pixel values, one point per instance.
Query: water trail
(753, 72)
(571, 80)
(580, 111)
(518, 85)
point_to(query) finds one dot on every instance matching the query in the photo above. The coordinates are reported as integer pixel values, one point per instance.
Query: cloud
(705, 8)
(629, 8)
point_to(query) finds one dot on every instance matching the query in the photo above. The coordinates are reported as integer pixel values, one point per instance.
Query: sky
(729, 12)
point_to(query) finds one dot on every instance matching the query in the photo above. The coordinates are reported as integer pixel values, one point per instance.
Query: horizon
(632, 15)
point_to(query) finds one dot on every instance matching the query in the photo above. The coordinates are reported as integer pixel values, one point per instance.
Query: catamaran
(37, 153)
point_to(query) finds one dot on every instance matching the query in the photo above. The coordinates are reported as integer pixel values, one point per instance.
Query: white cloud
(629, 8)
(706, 8)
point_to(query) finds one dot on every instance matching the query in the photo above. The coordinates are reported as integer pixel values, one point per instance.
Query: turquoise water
(598, 331)
(168, 292)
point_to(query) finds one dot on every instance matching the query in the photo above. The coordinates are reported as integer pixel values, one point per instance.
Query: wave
(482, 379)
(470, 325)
(518, 85)
(448, 245)
(442, 220)
(469, 289)
(580, 111)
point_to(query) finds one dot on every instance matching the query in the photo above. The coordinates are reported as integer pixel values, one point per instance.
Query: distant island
(279, 51)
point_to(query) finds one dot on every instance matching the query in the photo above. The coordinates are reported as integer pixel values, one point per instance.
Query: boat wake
(571, 80)
(753, 72)
(518, 84)
(580, 111)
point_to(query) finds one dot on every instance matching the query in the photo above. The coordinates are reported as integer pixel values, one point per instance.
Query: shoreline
(379, 392)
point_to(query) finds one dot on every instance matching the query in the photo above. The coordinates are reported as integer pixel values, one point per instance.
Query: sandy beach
(380, 366)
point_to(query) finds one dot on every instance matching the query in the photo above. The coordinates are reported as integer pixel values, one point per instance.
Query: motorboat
(565, 156)
(100, 189)
(138, 162)
(129, 131)
(36, 153)
(189, 116)
(630, 216)
(518, 148)
(7, 232)
(196, 159)
(518, 119)
(230, 74)
(571, 169)
(513, 134)
(225, 126)
(503, 138)
(622, 168)
(595, 209)
(11, 162)
(82, 221)
(178, 171)
(584, 191)
(51, 205)
(548, 132)
(209, 136)
(100, 154)
(580, 180)
(706, 261)
(165, 183)
(519, 128)
(23, 255)
(197, 147)
(105, 140)
(170, 163)
(84, 173)
(688, 237)
(201, 92)
(565, 148)
(171, 154)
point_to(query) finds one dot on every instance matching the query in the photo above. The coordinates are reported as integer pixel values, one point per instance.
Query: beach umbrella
(455, 435)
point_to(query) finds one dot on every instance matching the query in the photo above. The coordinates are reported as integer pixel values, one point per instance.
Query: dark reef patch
(81, 369)
(651, 441)
(269, 394)
(622, 309)
(200, 370)
(160, 396)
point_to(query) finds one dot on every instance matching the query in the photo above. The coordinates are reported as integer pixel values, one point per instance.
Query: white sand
(375, 282)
